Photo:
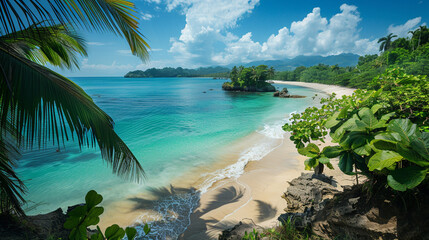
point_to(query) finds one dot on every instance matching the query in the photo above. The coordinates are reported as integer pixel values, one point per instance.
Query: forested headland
(411, 54)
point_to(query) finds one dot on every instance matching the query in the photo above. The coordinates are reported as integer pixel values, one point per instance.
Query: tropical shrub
(406, 94)
(88, 214)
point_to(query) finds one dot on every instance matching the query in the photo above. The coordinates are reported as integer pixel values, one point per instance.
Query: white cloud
(156, 49)
(206, 24)
(96, 43)
(113, 66)
(146, 16)
(124, 51)
(313, 35)
(402, 30)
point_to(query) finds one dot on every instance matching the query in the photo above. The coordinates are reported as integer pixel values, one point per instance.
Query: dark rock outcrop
(266, 88)
(238, 231)
(37, 227)
(42, 226)
(284, 93)
(314, 202)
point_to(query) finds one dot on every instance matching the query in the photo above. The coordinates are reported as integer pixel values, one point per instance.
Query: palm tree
(271, 73)
(38, 105)
(386, 42)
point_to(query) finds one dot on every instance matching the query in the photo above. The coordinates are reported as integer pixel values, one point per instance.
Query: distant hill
(343, 60)
(177, 72)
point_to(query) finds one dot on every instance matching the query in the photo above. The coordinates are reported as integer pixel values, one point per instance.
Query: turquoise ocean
(172, 125)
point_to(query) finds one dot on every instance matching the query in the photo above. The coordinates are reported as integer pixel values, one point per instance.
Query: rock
(227, 86)
(284, 93)
(238, 231)
(37, 227)
(42, 226)
(314, 202)
(309, 191)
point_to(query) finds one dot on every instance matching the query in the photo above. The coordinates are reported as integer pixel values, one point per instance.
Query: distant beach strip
(329, 89)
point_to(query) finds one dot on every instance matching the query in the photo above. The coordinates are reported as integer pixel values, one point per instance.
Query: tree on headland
(38, 105)
(386, 42)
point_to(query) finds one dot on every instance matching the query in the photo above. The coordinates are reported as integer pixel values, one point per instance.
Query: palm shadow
(266, 211)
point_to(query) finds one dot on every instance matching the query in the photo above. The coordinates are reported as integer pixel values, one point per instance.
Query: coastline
(329, 89)
(225, 202)
(256, 194)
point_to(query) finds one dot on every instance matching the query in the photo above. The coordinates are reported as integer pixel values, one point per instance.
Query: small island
(284, 93)
(252, 79)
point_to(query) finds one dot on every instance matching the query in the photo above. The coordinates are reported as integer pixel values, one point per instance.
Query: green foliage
(369, 141)
(251, 77)
(179, 72)
(34, 98)
(285, 231)
(407, 95)
(88, 214)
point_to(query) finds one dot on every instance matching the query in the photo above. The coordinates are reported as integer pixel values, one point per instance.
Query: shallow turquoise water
(170, 124)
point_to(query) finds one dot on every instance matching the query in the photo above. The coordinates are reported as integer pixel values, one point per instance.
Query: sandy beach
(253, 196)
(329, 89)
(256, 194)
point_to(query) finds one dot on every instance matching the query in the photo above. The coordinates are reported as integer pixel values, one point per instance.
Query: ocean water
(172, 125)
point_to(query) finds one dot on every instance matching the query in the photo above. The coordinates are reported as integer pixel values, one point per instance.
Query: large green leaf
(332, 152)
(405, 128)
(92, 199)
(114, 232)
(346, 163)
(421, 145)
(131, 233)
(117, 16)
(311, 150)
(332, 120)
(406, 178)
(411, 155)
(367, 119)
(44, 105)
(383, 159)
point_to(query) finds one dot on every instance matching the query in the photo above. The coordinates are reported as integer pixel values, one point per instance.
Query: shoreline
(329, 89)
(256, 194)
(228, 200)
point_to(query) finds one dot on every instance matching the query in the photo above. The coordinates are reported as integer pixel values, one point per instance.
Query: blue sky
(194, 33)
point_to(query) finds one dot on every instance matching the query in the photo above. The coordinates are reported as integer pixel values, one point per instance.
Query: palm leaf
(11, 187)
(45, 106)
(116, 16)
(54, 44)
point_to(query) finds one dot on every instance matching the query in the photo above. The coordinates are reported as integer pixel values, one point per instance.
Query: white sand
(340, 91)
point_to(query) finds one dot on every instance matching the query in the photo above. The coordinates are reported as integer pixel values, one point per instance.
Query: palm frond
(45, 106)
(11, 187)
(56, 45)
(116, 16)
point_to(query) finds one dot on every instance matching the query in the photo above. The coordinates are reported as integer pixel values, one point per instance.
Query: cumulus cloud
(207, 38)
(402, 30)
(313, 35)
(206, 24)
(146, 16)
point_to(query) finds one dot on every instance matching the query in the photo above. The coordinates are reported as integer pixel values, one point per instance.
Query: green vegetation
(382, 133)
(285, 231)
(179, 72)
(411, 54)
(88, 214)
(37, 105)
(250, 79)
